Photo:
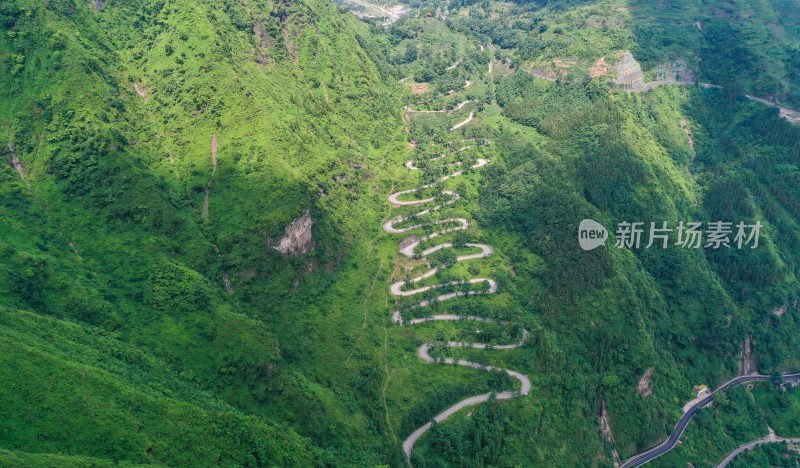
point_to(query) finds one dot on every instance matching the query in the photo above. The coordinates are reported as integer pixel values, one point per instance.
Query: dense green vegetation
(772, 455)
(111, 234)
(569, 151)
(75, 390)
(141, 326)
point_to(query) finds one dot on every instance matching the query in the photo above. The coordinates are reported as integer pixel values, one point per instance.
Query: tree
(460, 239)
(411, 52)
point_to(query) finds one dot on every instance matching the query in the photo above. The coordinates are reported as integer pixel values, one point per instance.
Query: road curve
(399, 288)
(769, 439)
(672, 440)
(792, 115)
(461, 124)
(443, 111)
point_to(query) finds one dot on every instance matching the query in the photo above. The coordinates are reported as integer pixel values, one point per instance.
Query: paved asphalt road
(770, 439)
(672, 440)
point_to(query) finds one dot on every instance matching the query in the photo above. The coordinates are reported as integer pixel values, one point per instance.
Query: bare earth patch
(645, 387)
(419, 88)
(564, 63)
(543, 73)
(141, 91)
(605, 428)
(599, 68)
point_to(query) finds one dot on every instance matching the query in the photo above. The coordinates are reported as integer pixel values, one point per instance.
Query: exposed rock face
(17, 164)
(629, 74)
(141, 91)
(227, 281)
(605, 428)
(685, 127)
(645, 388)
(779, 311)
(298, 239)
(674, 71)
(747, 363)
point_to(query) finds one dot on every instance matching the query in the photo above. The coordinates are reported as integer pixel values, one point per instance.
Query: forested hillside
(160, 150)
(243, 233)
(635, 329)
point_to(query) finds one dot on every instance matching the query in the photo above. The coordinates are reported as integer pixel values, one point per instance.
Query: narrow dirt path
(204, 213)
(388, 376)
(325, 92)
(367, 295)
(369, 251)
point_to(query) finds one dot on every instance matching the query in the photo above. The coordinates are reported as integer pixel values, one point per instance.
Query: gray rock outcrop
(645, 387)
(629, 74)
(298, 239)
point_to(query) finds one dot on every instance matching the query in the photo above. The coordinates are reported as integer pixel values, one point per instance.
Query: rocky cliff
(298, 239)
(629, 74)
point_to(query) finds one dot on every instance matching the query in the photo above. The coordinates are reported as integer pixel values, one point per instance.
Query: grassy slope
(294, 102)
(78, 391)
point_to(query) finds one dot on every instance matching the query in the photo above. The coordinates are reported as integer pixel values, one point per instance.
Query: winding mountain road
(655, 84)
(443, 111)
(464, 122)
(789, 114)
(672, 440)
(399, 288)
(388, 13)
(771, 438)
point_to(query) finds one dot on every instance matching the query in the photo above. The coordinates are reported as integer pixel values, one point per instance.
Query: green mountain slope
(76, 391)
(195, 269)
(109, 227)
